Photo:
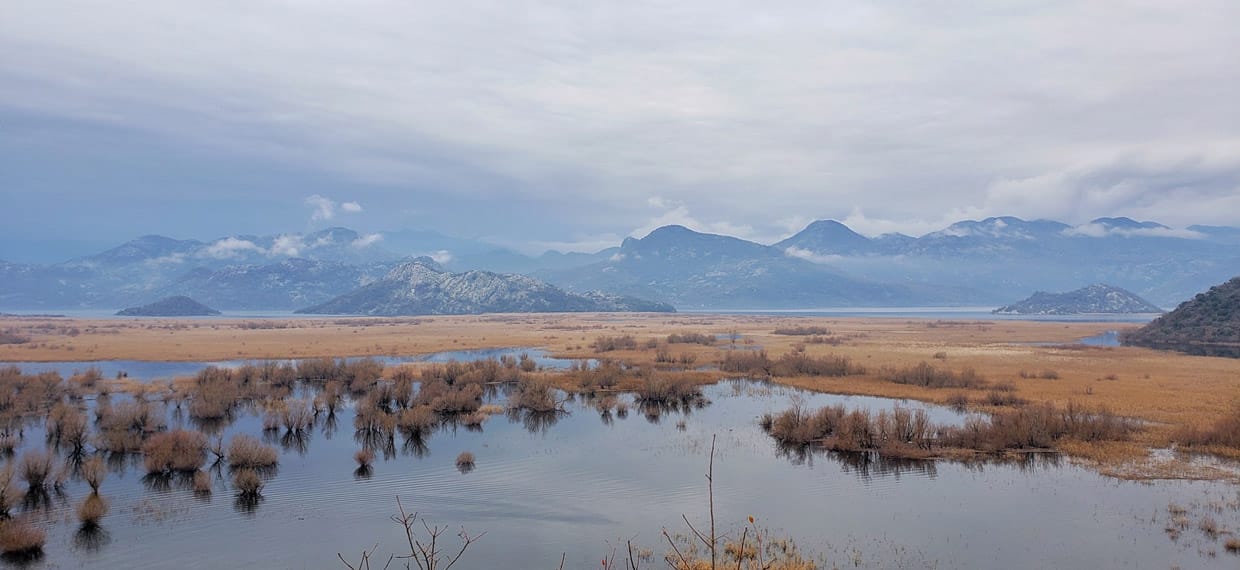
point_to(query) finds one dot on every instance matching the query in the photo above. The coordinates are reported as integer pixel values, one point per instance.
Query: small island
(178, 306)
(1094, 299)
(1208, 324)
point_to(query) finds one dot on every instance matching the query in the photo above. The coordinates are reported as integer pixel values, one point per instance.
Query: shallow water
(580, 484)
(153, 369)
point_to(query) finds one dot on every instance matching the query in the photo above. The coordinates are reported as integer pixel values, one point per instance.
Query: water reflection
(91, 538)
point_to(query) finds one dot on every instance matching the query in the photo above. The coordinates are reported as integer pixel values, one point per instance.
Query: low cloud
(1097, 230)
(230, 247)
(810, 256)
(288, 244)
(442, 256)
(367, 240)
(325, 208)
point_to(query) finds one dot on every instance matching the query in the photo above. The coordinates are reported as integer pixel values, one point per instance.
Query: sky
(570, 125)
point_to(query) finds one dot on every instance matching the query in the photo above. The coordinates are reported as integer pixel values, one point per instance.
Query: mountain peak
(1095, 298)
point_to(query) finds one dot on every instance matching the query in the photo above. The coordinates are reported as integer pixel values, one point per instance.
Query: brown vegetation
(94, 472)
(19, 538)
(924, 374)
(248, 483)
(245, 452)
(92, 509)
(179, 451)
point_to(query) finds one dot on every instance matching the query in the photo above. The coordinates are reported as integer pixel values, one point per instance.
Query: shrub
(928, 376)
(35, 467)
(802, 331)
(958, 401)
(10, 493)
(1223, 433)
(364, 457)
(175, 451)
(691, 338)
(245, 452)
(667, 390)
(535, 396)
(20, 538)
(417, 419)
(202, 482)
(610, 343)
(800, 364)
(465, 459)
(749, 362)
(93, 472)
(92, 509)
(248, 483)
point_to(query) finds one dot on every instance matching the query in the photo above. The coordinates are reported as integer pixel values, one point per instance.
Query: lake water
(153, 369)
(584, 483)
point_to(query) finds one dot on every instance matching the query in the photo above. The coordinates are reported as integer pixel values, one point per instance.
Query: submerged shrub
(465, 459)
(245, 452)
(248, 483)
(35, 467)
(175, 451)
(20, 538)
(364, 457)
(92, 509)
(202, 482)
(94, 471)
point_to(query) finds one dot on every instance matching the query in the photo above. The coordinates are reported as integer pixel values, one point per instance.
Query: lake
(583, 483)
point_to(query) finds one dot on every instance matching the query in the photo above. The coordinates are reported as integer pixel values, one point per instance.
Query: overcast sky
(573, 124)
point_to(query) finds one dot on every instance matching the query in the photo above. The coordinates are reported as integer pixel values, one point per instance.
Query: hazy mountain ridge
(422, 287)
(826, 264)
(1098, 298)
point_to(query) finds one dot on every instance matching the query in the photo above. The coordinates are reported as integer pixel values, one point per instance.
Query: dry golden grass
(1174, 392)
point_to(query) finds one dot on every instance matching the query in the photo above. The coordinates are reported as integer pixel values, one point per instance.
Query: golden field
(1167, 389)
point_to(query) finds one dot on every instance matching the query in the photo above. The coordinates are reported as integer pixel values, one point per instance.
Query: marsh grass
(925, 375)
(179, 451)
(20, 540)
(247, 453)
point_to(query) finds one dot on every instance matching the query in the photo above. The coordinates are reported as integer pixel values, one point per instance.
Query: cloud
(810, 256)
(441, 257)
(367, 240)
(892, 116)
(289, 245)
(1099, 230)
(324, 208)
(230, 247)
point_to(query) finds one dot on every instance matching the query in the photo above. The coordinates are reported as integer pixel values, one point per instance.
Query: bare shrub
(245, 452)
(610, 343)
(802, 331)
(92, 509)
(35, 467)
(465, 459)
(202, 482)
(535, 396)
(248, 483)
(364, 457)
(1223, 433)
(19, 538)
(924, 374)
(691, 338)
(175, 451)
(94, 471)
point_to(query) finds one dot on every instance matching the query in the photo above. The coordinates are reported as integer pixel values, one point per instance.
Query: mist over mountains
(986, 262)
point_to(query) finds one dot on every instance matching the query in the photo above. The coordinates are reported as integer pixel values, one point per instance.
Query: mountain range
(827, 264)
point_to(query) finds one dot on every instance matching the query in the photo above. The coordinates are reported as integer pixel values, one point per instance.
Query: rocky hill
(1097, 298)
(178, 306)
(1210, 318)
(422, 287)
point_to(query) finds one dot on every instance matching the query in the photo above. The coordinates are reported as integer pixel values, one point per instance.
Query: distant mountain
(827, 264)
(422, 287)
(1097, 298)
(995, 259)
(178, 306)
(1212, 317)
(286, 285)
(697, 270)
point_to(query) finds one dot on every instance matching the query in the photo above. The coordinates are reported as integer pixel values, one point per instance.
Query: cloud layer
(531, 121)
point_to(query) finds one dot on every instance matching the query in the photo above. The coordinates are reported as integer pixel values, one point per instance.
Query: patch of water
(150, 370)
(581, 483)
